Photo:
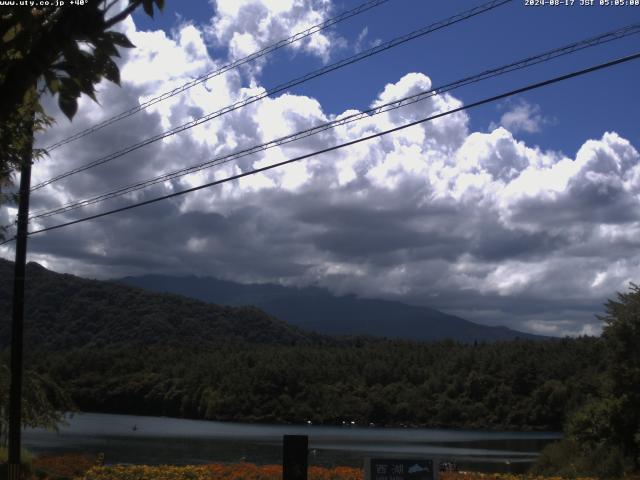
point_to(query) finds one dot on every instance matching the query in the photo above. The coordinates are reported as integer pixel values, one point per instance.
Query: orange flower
(67, 465)
(250, 471)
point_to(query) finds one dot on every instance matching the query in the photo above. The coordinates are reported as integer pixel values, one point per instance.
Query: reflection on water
(159, 440)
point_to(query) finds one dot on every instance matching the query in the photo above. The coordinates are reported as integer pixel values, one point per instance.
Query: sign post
(295, 450)
(401, 469)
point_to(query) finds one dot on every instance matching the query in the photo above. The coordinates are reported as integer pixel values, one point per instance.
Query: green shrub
(568, 459)
(25, 455)
(26, 458)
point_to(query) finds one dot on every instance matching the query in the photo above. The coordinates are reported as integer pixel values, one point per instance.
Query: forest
(102, 347)
(116, 348)
(511, 385)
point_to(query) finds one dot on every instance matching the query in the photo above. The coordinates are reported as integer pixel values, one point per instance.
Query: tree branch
(24, 72)
(108, 7)
(122, 15)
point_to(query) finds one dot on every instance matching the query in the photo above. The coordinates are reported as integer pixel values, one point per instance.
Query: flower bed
(240, 471)
(82, 467)
(68, 465)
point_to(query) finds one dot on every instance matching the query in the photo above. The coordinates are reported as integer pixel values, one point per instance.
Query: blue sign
(404, 469)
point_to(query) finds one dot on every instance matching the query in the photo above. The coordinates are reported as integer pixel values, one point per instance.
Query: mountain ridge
(65, 311)
(316, 309)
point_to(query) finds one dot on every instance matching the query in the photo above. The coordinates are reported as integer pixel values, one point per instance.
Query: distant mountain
(118, 348)
(64, 311)
(318, 310)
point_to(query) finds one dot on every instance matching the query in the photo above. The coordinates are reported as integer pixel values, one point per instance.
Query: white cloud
(248, 25)
(358, 47)
(522, 116)
(476, 223)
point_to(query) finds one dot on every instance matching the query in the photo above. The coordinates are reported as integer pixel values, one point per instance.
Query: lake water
(160, 440)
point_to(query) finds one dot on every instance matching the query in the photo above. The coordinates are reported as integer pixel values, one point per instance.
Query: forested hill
(503, 385)
(64, 311)
(117, 348)
(318, 310)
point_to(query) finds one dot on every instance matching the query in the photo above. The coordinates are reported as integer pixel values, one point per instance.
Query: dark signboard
(295, 450)
(400, 469)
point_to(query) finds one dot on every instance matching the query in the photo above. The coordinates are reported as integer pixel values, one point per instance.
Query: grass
(25, 455)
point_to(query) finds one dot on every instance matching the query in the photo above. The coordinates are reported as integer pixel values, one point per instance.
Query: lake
(134, 439)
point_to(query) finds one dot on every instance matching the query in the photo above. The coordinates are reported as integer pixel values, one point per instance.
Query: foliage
(500, 476)
(67, 465)
(43, 402)
(64, 311)
(15, 144)
(382, 382)
(248, 471)
(70, 49)
(622, 336)
(568, 459)
(241, 471)
(26, 456)
(26, 459)
(64, 51)
(603, 436)
(121, 349)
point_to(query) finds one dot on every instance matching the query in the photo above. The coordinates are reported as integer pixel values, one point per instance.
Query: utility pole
(17, 322)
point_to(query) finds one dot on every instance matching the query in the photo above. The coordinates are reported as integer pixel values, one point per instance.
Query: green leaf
(11, 34)
(90, 91)
(68, 104)
(148, 7)
(119, 39)
(69, 87)
(52, 81)
(111, 71)
(76, 57)
(105, 47)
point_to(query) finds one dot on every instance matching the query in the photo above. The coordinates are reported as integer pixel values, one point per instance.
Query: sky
(524, 212)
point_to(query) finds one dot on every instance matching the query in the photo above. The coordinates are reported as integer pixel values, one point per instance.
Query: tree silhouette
(63, 51)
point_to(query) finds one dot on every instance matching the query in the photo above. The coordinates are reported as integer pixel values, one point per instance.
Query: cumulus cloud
(247, 26)
(522, 116)
(478, 224)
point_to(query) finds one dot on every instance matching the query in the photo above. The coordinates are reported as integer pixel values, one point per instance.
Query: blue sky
(524, 213)
(575, 110)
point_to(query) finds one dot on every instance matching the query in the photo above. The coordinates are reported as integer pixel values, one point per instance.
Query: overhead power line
(219, 71)
(520, 64)
(347, 144)
(282, 87)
